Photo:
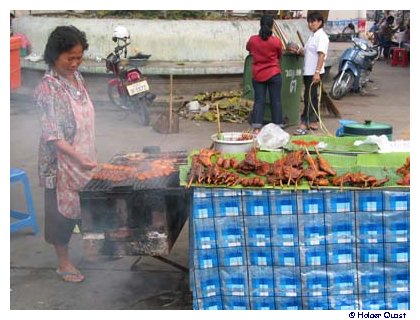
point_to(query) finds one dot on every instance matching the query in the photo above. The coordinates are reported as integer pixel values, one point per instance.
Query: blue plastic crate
(204, 259)
(234, 281)
(397, 277)
(286, 256)
(261, 281)
(341, 253)
(258, 232)
(340, 228)
(202, 193)
(204, 234)
(235, 303)
(256, 205)
(265, 303)
(397, 252)
(226, 192)
(372, 301)
(397, 226)
(314, 281)
(311, 230)
(282, 202)
(230, 232)
(313, 255)
(310, 202)
(203, 208)
(230, 257)
(369, 201)
(288, 303)
(211, 303)
(342, 280)
(371, 278)
(287, 282)
(369, 227)
(207, 283)
(343, 302)
(259, 256)
(227, 206)
(370, 253)
(398, 301)
(339, 202)
(284, 230)
(315, 303)
(397, 201)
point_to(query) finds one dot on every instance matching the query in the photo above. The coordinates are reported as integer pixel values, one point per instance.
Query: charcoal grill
(134, 217)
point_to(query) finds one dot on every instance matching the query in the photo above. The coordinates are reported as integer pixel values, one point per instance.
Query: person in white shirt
(315, 52)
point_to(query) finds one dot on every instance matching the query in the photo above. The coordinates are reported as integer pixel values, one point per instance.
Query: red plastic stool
(399, 56)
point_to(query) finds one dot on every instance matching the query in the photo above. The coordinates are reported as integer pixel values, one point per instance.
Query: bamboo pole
(219, 128)
(170, 102)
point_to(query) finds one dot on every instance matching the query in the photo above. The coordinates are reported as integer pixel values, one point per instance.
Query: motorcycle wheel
(116, 98)
(341, 87)
(143, 112)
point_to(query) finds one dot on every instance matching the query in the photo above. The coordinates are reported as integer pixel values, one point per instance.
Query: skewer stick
(309, 155)
(170, 102)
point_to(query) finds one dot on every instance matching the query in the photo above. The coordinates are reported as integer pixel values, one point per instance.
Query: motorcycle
(355, 65)
(128, 89)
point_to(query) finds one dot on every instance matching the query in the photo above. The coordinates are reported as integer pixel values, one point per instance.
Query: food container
(368, 128)
(232, 142)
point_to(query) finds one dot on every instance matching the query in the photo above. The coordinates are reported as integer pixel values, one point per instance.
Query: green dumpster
(292, 74)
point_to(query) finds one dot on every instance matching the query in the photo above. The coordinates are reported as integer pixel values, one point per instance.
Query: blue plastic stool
(24, 219)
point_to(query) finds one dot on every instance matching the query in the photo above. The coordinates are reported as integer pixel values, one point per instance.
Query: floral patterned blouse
(66, 113)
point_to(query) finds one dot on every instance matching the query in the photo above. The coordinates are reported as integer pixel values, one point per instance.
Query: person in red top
(266, 51)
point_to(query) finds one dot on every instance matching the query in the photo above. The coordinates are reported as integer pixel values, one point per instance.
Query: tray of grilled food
(136, 171)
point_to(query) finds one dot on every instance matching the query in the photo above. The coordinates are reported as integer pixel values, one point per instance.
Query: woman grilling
(67, 143)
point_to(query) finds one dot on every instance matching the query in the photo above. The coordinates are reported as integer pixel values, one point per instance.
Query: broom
(327, 104)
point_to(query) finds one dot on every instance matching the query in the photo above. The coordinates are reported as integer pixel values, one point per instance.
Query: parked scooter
(356, 63)
(128, 89)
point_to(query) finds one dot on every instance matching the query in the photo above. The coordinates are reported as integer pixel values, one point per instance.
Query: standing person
(386, 32)
(266, 51)
(67, 143)
(315, 53)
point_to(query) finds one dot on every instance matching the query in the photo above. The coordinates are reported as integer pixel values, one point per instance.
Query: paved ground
(151, 284)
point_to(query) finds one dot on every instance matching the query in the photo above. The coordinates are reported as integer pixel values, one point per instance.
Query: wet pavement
(149, 284)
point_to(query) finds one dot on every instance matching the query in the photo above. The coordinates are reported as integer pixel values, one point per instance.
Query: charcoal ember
(120, 234)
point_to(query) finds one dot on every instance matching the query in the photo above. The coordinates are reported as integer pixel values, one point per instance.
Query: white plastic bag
(272, 136)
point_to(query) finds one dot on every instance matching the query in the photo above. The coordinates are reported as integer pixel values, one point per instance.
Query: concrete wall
(165, 40)
(346, 14)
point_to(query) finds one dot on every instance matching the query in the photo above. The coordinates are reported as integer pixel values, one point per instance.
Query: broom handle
(170, 102)
(300, 38)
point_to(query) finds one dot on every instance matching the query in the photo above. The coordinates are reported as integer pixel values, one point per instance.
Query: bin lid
(367, 128)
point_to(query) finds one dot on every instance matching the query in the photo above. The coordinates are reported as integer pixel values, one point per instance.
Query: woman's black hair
(266, 24)
(315, 16)
(62, 39)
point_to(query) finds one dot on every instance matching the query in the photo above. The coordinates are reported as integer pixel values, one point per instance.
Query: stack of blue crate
(273, 249)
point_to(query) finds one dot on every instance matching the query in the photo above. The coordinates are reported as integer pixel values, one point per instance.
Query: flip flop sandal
(64, 275)
(300, 132)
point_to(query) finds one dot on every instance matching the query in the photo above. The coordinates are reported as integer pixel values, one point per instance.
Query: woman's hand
(85, 162)
(316, 78)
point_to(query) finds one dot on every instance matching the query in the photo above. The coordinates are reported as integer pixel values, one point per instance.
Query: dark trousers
(58, 229)
(310, 101)
(273, 85)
